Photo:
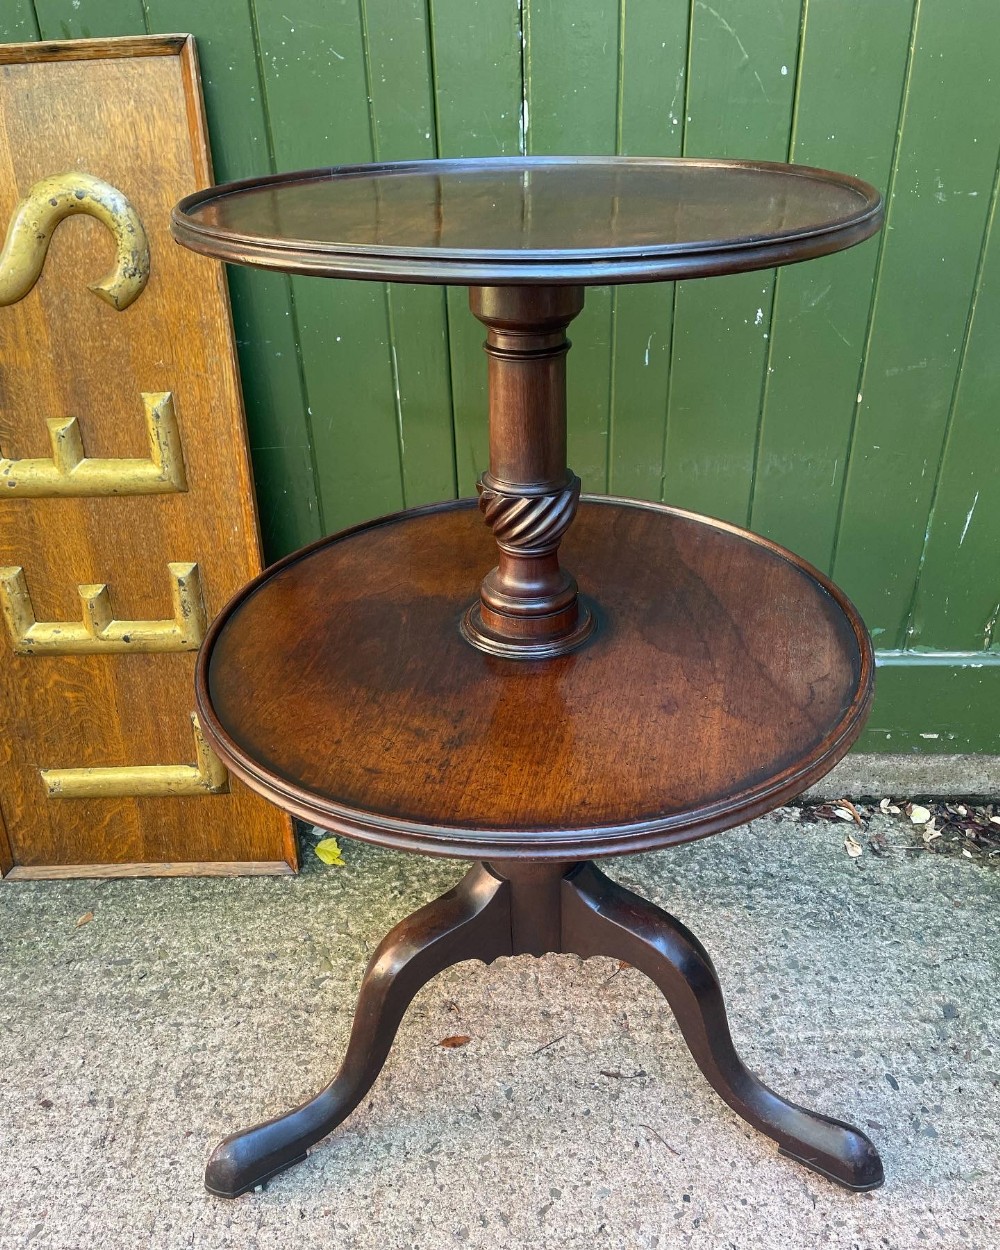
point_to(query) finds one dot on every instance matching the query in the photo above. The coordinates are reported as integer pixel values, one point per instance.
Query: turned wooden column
(528, 605)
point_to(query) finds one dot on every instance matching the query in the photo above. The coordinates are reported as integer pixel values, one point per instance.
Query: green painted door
(849, 407)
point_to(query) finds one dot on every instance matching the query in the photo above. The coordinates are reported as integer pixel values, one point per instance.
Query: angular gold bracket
(207, 776)
(99, 631)
(44, 207)
(70, 472)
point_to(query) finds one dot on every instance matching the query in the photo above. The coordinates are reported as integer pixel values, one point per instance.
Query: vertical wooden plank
(937, 213)
(18, 24)
(397, 39)
(846, 117)
(958, 594)
(742, 70)
(262, 302)
(571, 106)
(89, 19)
(316, 88)
(476, 50)
(653, 63)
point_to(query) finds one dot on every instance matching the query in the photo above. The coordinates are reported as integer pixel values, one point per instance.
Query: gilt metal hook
(43, 208)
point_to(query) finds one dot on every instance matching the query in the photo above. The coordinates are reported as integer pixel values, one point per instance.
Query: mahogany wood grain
(130, 112)
(528, 605)
(469, 922)
(531, 909)
(534, 220)
(724, 676)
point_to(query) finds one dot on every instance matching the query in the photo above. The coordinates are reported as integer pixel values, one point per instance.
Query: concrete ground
(862, 776)
(866, 988)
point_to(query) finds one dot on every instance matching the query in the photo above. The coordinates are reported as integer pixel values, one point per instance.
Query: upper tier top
(544, 220)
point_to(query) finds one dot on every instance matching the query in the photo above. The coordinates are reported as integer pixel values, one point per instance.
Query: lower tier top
(725, 676)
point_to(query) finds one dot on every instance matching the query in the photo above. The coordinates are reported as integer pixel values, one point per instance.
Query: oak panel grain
(128, 112)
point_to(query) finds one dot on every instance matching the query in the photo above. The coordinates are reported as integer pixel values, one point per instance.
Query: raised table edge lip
(555, 266)
(528, 843)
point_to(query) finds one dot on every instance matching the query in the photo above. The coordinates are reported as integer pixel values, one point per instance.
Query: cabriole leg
(602, 918)
(472, 921)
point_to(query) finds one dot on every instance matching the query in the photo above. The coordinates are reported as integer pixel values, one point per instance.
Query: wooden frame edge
(201, 151)
(6, 854)
(92, 49)
(234, 868)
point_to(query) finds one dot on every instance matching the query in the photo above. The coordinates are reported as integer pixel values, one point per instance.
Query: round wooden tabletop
(544, 220)
(724, 677)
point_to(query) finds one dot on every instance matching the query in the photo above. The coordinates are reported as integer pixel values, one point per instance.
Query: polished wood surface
(528, 606)
(532, 219)
(724, 676)
(532, 909)
(129, 112)
(683, 678)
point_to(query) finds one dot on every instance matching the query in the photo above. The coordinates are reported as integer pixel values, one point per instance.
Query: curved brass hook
(44, 207)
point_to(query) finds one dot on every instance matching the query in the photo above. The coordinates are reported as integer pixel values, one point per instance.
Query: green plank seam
(908, 625)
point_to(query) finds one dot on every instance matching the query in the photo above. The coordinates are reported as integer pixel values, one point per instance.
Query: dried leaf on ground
(86, 918)
(961, 828)
(458, 1039)
(846, 810)
(852, 846)
(329, 852)
(828, 811)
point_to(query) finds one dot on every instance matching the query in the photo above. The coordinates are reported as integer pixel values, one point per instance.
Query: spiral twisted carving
(529, 522)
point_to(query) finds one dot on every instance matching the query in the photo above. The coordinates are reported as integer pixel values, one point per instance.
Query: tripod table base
(534, 909)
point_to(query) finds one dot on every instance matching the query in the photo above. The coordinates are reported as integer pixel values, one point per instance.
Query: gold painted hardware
(44, 207)
(99, 630)
(208, 776)
(70, 472)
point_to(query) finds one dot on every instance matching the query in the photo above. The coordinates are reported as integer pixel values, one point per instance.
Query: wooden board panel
(652, 94)
(65, 353)
(957, 601)
(264, 315)
(721, 327)
(314, 67)
(89, 19)
(18, 21)
(820, 318)
(935, 704)
(397, 36)
(571, 74)
(940, 197)
(476, 47)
